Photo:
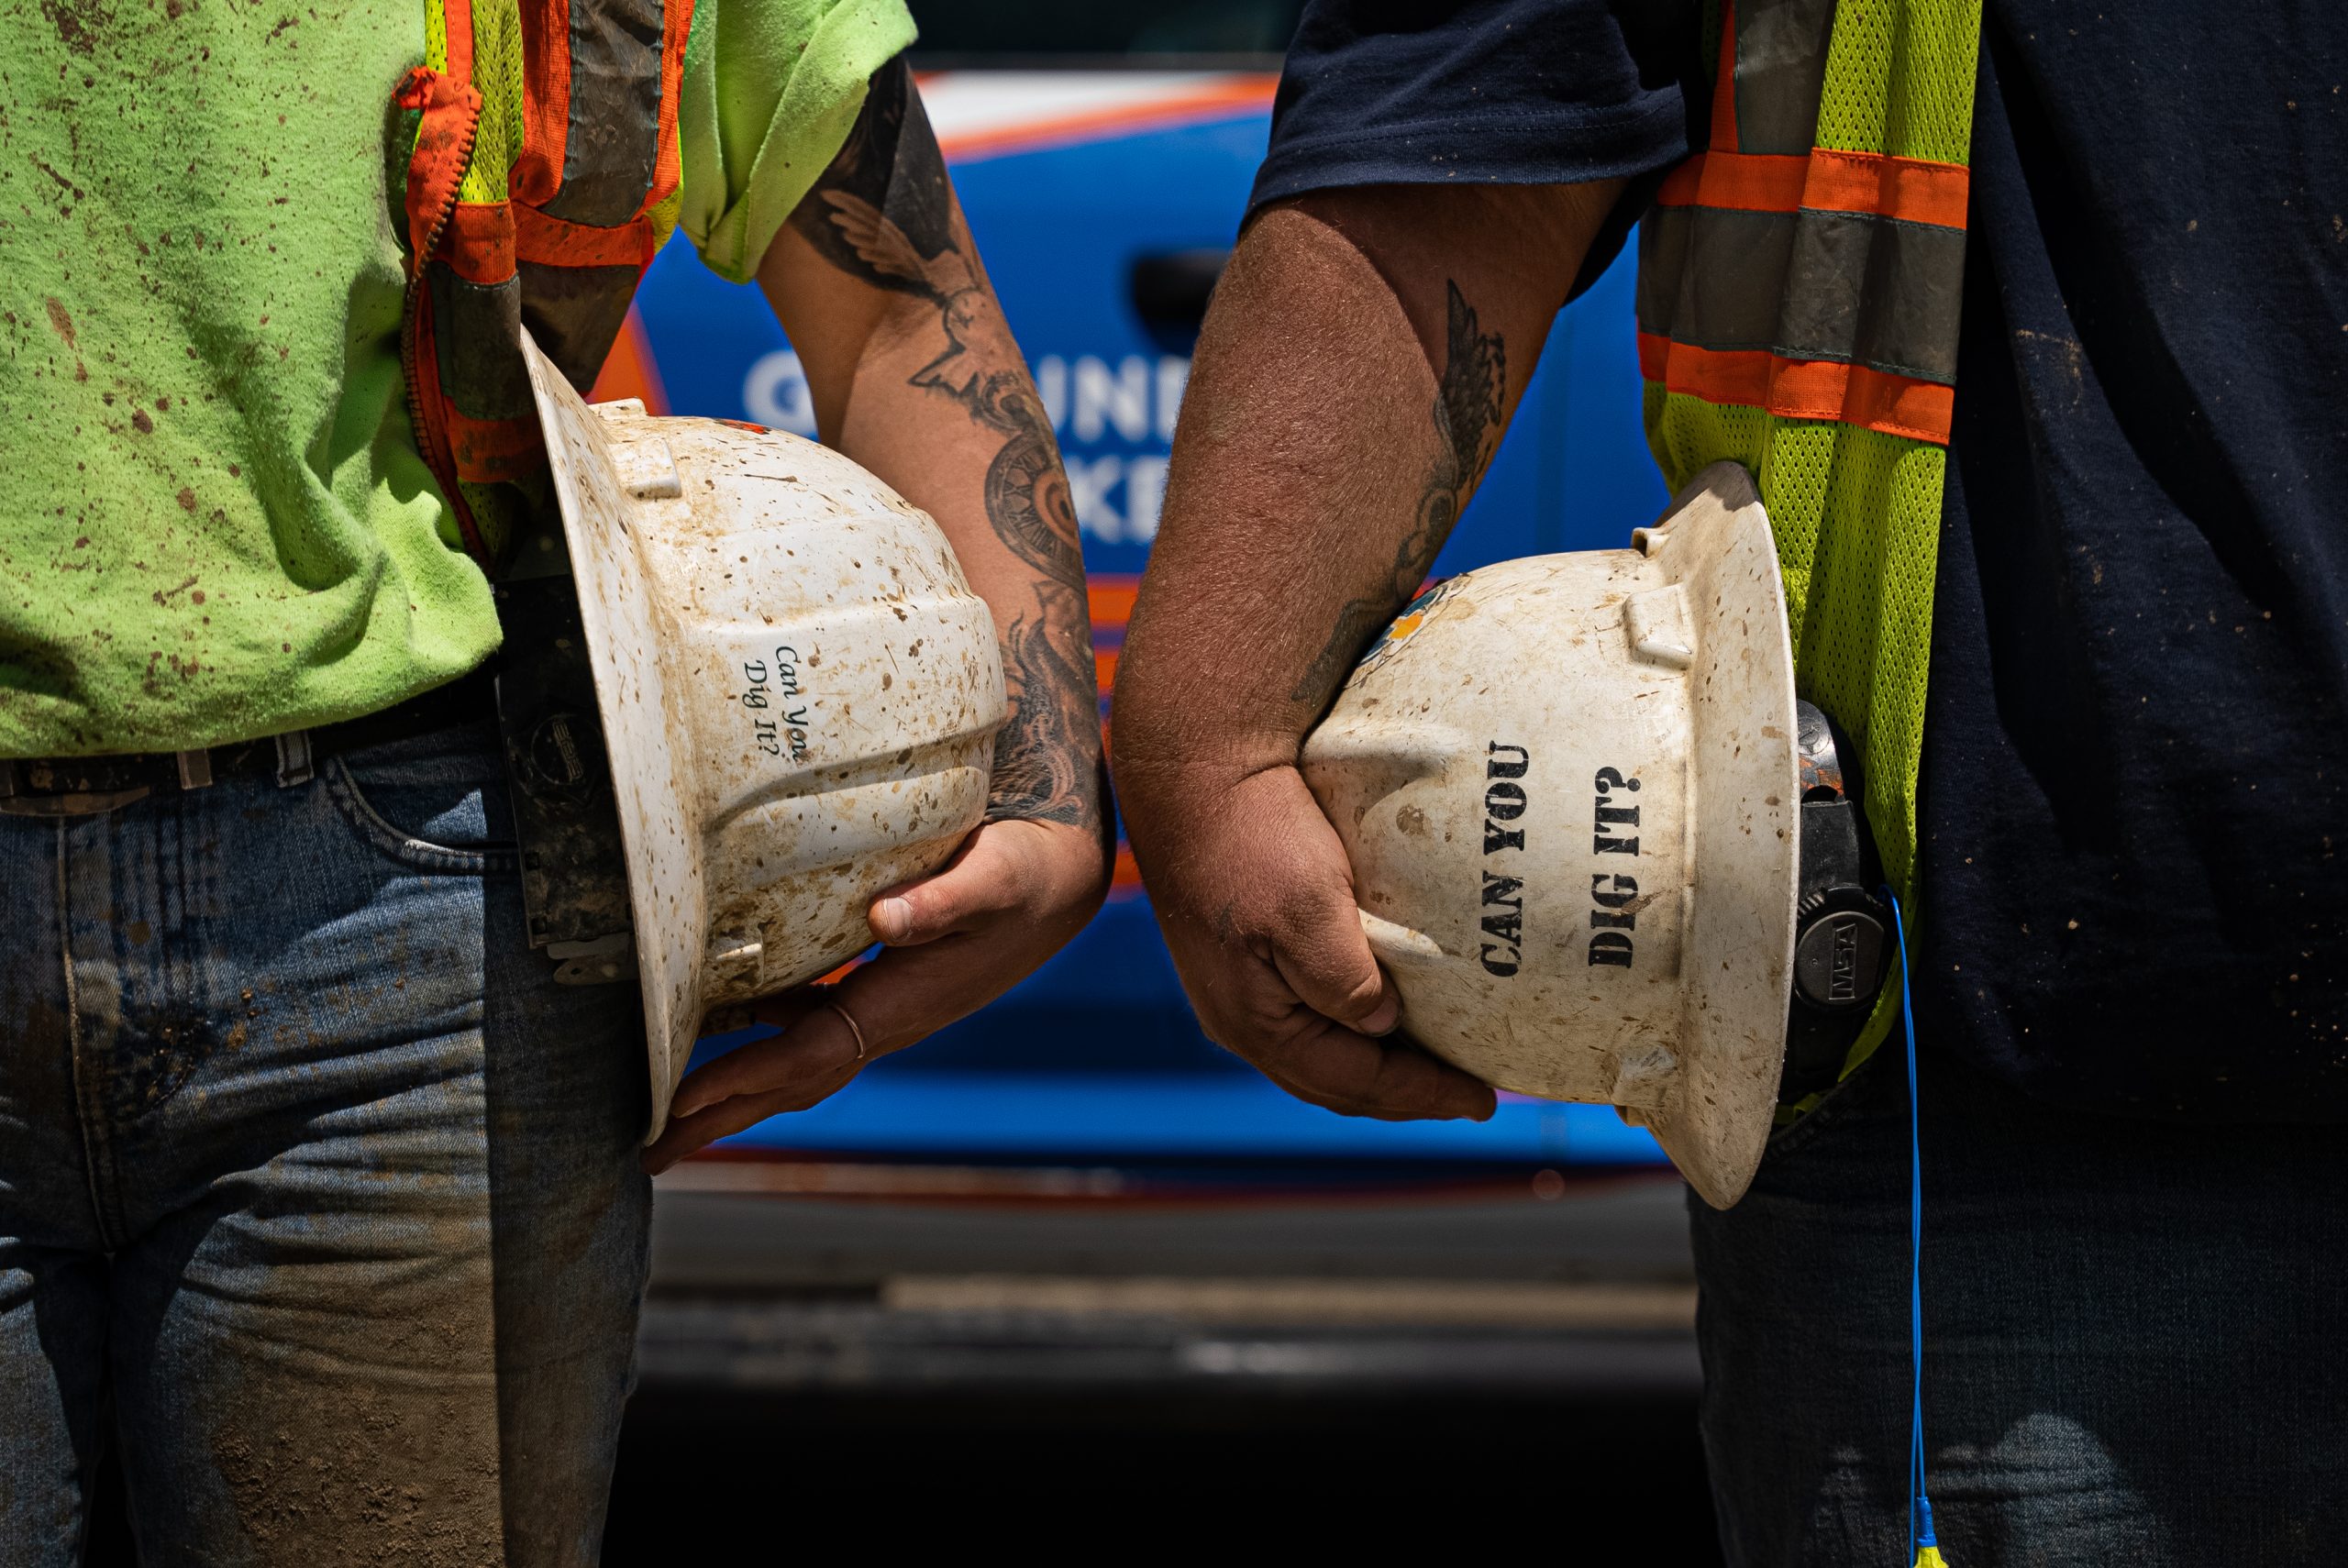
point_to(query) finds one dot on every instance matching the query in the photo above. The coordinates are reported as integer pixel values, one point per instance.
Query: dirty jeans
(2136, 1336)
(318, 1199)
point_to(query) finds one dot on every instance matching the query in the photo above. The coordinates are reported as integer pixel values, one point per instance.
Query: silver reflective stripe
(477, 335)
(574, 313)
(1781, 49)
(611, 144)
(1712, 277)
(1850, 287)
(1875, 291)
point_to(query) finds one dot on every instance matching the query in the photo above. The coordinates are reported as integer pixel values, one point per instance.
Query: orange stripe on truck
(629, 370)
(1208, 101)
(1109, 596)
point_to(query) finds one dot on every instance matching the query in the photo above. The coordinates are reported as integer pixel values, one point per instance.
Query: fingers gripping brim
(815, 1054)
(1386, 1079)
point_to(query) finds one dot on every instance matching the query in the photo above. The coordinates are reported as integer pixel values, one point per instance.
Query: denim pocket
(435, 803)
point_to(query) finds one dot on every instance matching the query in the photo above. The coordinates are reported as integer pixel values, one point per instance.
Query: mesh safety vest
(1798, 291)
(543, 179)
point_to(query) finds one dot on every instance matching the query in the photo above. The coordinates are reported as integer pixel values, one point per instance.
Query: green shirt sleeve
(770, 89)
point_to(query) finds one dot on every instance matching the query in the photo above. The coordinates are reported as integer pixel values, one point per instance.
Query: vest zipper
(412, 307)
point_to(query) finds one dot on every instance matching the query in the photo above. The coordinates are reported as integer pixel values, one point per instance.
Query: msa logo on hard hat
(1583, 878)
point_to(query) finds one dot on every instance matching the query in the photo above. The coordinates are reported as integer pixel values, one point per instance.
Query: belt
(86, 785)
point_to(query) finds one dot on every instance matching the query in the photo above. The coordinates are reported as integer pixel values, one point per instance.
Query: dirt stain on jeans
(393, 1468)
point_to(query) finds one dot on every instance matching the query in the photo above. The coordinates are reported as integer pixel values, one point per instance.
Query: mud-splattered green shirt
(214, 523)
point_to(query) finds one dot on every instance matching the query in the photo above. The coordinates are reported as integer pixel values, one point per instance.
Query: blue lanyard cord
(1920, 1510)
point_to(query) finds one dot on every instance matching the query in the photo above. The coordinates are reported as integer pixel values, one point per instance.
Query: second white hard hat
(1568, 788)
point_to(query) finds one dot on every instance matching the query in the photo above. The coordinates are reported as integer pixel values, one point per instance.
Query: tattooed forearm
(1467, 407)
(1048, 749)
(889, 165)
(884, 212)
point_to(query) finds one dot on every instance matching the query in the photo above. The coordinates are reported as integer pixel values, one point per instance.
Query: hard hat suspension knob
(1842, 929)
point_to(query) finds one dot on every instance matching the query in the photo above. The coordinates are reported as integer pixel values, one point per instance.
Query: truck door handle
(1170, 289)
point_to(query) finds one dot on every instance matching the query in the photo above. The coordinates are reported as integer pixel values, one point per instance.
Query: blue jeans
(2136, 1336)
(317, 1197)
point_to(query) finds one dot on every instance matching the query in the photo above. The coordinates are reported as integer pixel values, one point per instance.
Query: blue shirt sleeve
(1506, 92)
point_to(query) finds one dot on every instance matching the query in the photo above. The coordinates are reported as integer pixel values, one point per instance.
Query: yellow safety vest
(1798, 293)
(543, 179)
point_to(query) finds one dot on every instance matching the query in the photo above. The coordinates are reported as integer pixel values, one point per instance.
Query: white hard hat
(799, 695)
(1569, 788)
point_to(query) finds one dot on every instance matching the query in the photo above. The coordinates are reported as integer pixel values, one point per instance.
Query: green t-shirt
(214, 523)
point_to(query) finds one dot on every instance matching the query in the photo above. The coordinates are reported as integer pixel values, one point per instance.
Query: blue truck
(1067, 1248)
(1105, 193)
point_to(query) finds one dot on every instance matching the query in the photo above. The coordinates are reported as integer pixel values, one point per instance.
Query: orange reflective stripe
(539, 237)
(489, 451)
(492, 251)
(430, 414)
(448, 111)
(668, 169)
(458, 14)
(1910, 189)
(1749, 182)
(545, 100)
(1914, 190)
(592, 66)
(477, 244)
(1802, 389)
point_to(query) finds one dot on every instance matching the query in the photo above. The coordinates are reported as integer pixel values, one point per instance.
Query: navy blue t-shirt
(2132, 895)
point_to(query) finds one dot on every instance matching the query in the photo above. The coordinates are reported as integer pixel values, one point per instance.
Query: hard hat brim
(626, 623)
(1746, 829)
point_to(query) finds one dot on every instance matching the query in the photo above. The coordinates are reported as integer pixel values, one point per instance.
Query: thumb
(982, 879)
(1326, 961)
